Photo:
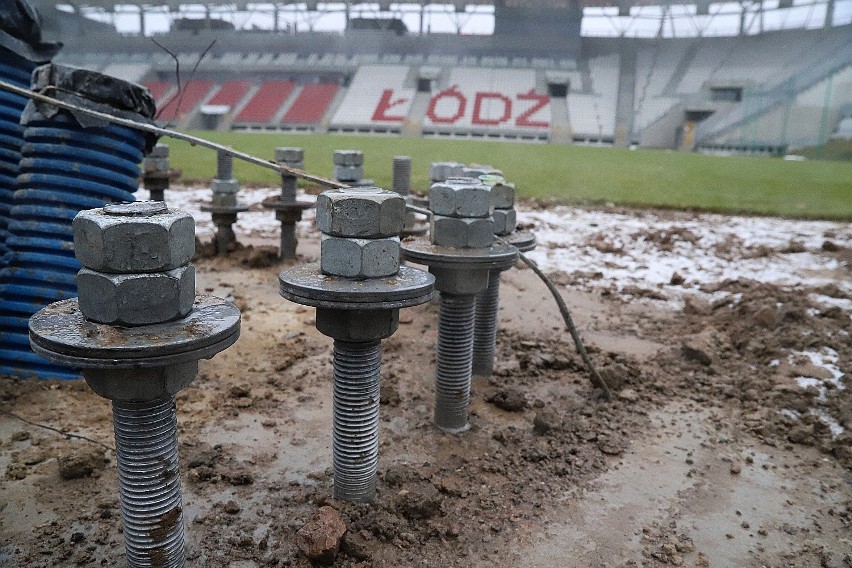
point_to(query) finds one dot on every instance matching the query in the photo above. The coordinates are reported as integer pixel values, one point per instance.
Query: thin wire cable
(159, 131)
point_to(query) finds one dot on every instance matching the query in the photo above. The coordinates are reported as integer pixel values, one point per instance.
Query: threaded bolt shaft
(402, 175)
(454, 361)
(149, 483)
(355, 438)
(289, 187)
(224, 166)
(485, 329)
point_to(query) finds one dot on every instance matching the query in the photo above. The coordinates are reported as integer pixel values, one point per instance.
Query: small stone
(546, 420)
(78, 464)
(231, 507)
(677, 279)
(319, 540)
(510, 400)
(422, 501)
(735, 468)
(628, 395)
(77, 537)
(20, 436)
(766, 317)
(697, 348)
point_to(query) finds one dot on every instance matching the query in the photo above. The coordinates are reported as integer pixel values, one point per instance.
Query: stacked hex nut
(503, 201)
(461, 209)
(224, 207)
(348, 165)
(144, 275)
(360, 232)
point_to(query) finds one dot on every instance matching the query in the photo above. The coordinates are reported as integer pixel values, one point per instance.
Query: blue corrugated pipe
(64, 169)
(16, 70)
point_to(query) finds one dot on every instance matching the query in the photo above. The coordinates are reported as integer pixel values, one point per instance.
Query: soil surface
(727, 443)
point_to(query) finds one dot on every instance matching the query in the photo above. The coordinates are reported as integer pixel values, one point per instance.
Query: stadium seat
(311, 104)
(266, 102)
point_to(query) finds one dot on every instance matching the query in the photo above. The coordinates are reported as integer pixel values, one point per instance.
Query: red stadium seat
(311, 104)
(266, 102)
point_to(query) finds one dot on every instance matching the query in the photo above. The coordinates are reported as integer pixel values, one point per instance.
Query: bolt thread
(453, 369)
(288, 241)
(149, 482)
(485, 330)
(402, 175)
(288, 188)
(355, 439)
(224, 166)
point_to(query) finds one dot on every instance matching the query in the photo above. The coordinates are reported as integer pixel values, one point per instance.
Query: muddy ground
(727, 444)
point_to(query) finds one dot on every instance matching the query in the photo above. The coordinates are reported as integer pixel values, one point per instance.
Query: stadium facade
(538, 76)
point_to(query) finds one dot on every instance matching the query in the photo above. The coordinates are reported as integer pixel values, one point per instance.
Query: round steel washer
(305, 284)
(497, 257)
(240, 208)
(523, 241)
(60, 333)
(278, 205)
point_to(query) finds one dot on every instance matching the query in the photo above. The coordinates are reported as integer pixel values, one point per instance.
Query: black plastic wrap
(91, 90)
(20, 32)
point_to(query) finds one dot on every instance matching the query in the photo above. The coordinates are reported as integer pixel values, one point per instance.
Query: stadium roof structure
(637, 18)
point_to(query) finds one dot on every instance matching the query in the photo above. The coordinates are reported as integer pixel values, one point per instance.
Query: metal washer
(496, 257)
(305, 284)
(523, 241)
(60, 333)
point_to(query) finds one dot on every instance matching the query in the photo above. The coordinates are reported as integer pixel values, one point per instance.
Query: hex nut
(357, 325)
(505, 221)
(155, 165)
(462, 232)
(367, 213)
(442, 171)
(503, 195)
(159, 151)
(136, 299)
(460, 197)
(141, 385)
(348, 158)
(289, 155)
(227, 186)
(114, 243)
(359, 258)
(348, 173)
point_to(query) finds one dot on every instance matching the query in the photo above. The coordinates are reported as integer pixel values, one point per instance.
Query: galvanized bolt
(488, 301)
(461, 255)
(224, 206)
(357, 289)
(155, 172)
(402, 175)
(141, 365)
(442, 171)
(288, 210)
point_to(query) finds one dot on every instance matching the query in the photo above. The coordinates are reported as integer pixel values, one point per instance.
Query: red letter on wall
(477, 109)
(541, 102)
(386, 103)
(461, 104)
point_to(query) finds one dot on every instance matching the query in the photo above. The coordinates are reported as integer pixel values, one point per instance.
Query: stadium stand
(184, 102)
(265, 103)
(592, 115)
(377, 100)
(311, 103)
(230, 93)
(159, 90)
(491, 101)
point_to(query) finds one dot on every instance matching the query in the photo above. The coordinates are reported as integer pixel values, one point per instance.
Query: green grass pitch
(566, 174)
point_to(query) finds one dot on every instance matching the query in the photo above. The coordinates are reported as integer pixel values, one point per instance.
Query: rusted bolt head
(136, 299)
(462, 232)
(143, 236)
(359, 258)
(460, 197)
(364, 212)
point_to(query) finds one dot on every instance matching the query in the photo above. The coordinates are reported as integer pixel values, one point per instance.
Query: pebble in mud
(319, 540)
